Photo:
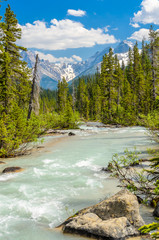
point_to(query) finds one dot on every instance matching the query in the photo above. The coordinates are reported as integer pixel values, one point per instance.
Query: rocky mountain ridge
(50, 73)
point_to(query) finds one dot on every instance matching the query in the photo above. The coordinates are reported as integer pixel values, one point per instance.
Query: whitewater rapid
(60, 179)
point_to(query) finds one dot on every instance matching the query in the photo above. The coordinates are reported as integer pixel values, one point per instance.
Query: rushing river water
(60, 179)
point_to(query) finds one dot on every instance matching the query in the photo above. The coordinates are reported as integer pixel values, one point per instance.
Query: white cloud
(135, 25)
(143, 33)
(115, 29)
(106, 28)
(78, 58)
(53, 59)
(62, 34)
(76, 13)
(149, 12)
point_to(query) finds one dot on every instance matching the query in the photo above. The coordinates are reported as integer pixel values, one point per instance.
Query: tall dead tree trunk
(73, 95)
(34, 86)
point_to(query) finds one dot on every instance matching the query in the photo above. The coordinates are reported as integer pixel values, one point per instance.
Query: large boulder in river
(115, 218)
(12, 169)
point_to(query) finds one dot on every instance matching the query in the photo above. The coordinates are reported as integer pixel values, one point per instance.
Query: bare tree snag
(34, 91)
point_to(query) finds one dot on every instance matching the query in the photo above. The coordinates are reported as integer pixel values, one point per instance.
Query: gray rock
(122, 204)
(115, 218)
(92, 225)
(156, 211)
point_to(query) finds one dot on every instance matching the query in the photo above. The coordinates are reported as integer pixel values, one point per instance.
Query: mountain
(123, 47)
(50, 73)
(95, 61)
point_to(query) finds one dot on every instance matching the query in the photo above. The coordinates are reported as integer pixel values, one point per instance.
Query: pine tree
(96, 105)
(147, 71)
(129, 69)
(110, 82)
(15, 88)
(103, 87)
(118, 75)
(82, 99)
(62, 94)
(154, 48)
(14, 84)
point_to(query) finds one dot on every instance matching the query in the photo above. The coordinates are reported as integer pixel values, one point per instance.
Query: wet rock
(109, 168)
(95, 124)
(118, 126)
(71, 134)
(1, 162)
(104, 169)
(12, 169)
(93, 226)
(156, 211)
(135, 164)
(115, 218)
(52, 131)
(140, 200)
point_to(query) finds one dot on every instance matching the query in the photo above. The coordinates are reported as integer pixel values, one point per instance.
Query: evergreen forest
(119, 94)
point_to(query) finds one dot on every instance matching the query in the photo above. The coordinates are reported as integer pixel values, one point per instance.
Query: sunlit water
(60, 179)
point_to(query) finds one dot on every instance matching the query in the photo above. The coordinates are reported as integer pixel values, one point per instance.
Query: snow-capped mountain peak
(50, 73)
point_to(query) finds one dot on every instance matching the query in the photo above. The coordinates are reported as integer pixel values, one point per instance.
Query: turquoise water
(60, 179)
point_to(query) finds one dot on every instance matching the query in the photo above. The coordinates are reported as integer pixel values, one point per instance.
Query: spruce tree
(14, 84)
(118, 75)
(62, 95)
(15, 88)
(154, 50)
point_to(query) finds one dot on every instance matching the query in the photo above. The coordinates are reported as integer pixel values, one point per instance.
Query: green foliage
(140, 182)
(70, 213)
(54, 120)
(150, 228)
(130, 158)
(15, 130)
(151, 120)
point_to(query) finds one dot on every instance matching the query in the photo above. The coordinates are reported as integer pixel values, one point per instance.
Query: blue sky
(74, 30)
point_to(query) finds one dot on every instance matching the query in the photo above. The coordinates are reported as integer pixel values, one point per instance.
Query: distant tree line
(119, 94)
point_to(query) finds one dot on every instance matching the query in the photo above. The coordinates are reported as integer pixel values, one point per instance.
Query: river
(60, 179)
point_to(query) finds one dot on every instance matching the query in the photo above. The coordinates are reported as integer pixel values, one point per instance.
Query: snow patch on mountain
(123, 57)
